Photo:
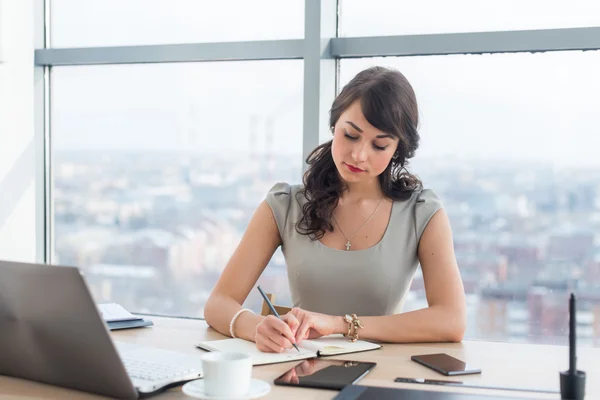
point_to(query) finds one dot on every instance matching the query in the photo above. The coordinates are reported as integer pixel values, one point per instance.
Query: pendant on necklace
(348, 245)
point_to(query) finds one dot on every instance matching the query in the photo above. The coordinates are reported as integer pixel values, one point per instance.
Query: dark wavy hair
(388, 102)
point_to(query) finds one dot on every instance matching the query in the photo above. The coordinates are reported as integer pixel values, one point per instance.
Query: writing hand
(274, 335)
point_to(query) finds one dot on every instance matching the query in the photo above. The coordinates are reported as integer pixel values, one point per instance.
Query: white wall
(17, 146)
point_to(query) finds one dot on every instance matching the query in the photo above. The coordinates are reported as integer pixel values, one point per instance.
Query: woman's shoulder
(283, 191)
(421, 196)
(426, 195)
(424, 202)
(279, 198)
(281, 194)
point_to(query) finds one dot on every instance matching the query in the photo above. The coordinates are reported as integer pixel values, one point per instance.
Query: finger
(279, 339)
(282, 328)
(303, 368)
(296, 311)
(263, 346)
(292, 322)
(302, 332)
(267, 345)
(279, 342)
(287, 377)
(293, 376)
(295, 379)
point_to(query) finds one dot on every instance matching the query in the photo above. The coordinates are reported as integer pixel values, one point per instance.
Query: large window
(409, 17)
(160, 154)
(158, 168)
(77, 23)
(509, 143)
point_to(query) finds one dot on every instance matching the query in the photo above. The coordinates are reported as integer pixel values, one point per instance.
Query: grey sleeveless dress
(372, 281)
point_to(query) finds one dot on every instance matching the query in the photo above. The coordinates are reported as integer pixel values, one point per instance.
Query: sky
(505, 106)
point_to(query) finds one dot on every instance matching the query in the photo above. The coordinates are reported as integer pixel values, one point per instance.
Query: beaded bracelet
(353, 325)
(235, 316)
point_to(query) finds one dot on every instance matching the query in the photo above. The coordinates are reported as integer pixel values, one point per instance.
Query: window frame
(321, 50)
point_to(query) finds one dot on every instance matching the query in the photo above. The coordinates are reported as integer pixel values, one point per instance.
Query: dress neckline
(376, 245)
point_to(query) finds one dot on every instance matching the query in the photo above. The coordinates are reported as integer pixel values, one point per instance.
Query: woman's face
(360, 151)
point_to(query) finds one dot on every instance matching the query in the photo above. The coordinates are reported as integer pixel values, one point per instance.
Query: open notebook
(324, 346)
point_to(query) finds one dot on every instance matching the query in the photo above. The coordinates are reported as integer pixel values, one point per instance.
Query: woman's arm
(259, 242)
(444, 320)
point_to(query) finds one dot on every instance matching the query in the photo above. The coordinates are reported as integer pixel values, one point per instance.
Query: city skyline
(154, 232)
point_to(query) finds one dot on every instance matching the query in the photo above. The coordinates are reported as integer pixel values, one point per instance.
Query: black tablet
(325, 373)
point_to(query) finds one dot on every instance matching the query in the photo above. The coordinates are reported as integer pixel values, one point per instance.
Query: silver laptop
(51, 331)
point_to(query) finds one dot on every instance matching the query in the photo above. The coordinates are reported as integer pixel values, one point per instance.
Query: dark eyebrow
(382, 136)
(354, 126)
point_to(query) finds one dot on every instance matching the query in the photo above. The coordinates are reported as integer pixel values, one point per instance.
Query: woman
(352, 235)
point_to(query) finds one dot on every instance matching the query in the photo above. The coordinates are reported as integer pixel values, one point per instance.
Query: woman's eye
(379, 147)
(350, 137)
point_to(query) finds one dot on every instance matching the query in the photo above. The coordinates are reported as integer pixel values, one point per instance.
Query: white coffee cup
(226, 374)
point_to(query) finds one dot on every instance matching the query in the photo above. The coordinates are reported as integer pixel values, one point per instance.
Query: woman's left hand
(314, 325)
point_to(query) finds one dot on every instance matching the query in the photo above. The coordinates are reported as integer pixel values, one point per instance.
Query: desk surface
(502, 364)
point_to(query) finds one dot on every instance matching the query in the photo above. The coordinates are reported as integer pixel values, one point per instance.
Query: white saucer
(257, 389)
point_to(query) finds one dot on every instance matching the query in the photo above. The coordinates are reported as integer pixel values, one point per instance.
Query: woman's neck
(362, 191)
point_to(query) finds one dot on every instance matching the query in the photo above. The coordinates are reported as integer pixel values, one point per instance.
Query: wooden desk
(502, 364)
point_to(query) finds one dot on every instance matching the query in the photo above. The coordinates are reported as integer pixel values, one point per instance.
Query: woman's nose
(359, 153)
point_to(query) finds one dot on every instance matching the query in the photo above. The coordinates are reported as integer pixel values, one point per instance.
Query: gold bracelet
(353, 325)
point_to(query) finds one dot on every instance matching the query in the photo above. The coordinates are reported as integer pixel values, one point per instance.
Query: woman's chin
(349, 177)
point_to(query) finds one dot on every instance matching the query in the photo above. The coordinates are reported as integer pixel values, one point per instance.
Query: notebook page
(258, 357)
(336, 344)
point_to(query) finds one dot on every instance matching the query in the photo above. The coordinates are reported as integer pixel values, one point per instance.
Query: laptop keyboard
(151, 371)
(152, 364)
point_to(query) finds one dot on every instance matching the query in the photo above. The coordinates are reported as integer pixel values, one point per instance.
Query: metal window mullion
(48, 179)
(320, 26)
(171, 53)
(468, 43)
(41, 145)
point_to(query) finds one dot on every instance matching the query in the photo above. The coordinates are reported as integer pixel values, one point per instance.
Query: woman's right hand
(274, 335)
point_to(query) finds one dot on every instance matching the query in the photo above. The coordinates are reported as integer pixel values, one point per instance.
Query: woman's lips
(353, 168)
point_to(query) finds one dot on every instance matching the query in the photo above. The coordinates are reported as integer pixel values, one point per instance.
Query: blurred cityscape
(153, 231)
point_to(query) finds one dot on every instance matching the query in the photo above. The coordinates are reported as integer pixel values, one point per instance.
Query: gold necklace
(348, 244)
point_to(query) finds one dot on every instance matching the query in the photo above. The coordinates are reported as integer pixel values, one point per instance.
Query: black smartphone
(446, 364)
(325, 374)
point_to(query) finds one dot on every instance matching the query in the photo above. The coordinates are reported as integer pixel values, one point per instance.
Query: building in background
(155, 236)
